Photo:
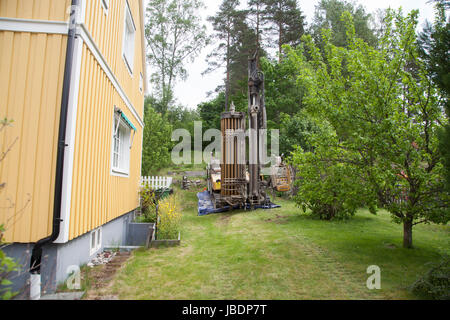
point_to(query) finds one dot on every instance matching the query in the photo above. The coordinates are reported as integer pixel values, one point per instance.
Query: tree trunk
(407, 233)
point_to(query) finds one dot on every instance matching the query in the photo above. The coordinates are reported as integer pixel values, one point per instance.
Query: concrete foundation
(58, 260)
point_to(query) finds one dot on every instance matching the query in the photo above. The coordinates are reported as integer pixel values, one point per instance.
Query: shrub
(148, 204)
(169, 218)
(7, 265)
(435, 284)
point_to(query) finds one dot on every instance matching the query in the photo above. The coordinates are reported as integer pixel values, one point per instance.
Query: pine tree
(224, 26)
(434, 41)
(236, 43)
(328, 16)
(286, 21)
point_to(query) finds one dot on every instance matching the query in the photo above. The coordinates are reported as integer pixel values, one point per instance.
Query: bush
(435, 284)
(327, 187)
(169, 218)
(7, 265)
(148, 205)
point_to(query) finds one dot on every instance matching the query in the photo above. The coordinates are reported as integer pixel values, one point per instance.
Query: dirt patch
(278, 219)
(100, 277)
(390, 246)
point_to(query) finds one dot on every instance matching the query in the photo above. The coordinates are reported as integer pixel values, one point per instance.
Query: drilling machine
(234, 181)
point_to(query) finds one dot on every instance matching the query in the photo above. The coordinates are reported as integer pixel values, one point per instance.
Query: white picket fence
(156, 182)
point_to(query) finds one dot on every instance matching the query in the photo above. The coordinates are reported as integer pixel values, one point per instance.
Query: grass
(280, 254)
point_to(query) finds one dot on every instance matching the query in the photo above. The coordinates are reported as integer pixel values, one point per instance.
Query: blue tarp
(205, 205)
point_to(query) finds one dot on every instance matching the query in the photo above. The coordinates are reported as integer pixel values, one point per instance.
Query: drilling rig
(235, 181)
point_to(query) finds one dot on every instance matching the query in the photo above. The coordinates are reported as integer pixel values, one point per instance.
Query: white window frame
(128, 49)
(95, 241)
(121, 133)
(105, 5)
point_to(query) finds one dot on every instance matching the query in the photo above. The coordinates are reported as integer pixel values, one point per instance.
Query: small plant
(7, 266)
(435, 284)
(169, 218)
(148, 205)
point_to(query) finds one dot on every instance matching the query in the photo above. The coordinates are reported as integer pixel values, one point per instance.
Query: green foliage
(169, 218)
(235, 43)
(148, 204)
(435, 41)
(328, 16)
(7, 266)
(385, 116)
(210, 112)
(435, 284)
(282, 93)
(157, 140)
(294, 131)
(286, 23)
(329, 187)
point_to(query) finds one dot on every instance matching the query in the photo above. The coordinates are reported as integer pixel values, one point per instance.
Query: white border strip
(70, 142)
(71, 134)
(35, 26)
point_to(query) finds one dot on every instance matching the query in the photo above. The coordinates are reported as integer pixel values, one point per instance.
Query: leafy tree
(435, 43)
(328, 186)
(328, 16)
(180, 117)
(295, 131)
(210, 112)
(157, 140)
(287, 19)
(384, 120)
(283, 95)
(174, 34)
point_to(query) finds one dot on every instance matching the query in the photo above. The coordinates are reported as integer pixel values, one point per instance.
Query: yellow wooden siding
(31, 69)
(97, 196)
(55, 10)
(107, 30)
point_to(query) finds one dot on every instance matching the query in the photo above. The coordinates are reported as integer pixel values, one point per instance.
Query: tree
(283, 94)
(257, 19)
(295, 131)
(156, 140)
(384, 117)
(174, 34)
(435, 42)
(210, 112)
(328, 16)
(287, 19)
(231, 32)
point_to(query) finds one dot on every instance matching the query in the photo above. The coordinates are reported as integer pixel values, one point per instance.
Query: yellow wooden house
(73, 80)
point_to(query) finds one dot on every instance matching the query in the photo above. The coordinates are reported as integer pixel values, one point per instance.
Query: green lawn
(280, 254)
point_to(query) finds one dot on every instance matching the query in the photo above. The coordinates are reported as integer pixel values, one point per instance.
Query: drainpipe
(36, 255)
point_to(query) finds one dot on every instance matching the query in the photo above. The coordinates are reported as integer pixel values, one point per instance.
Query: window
(105, 5)
(128, 39)
(120, 146)
(96, 241)
(141, 82)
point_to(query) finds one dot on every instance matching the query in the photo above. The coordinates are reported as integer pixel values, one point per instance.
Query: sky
(194, 90)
